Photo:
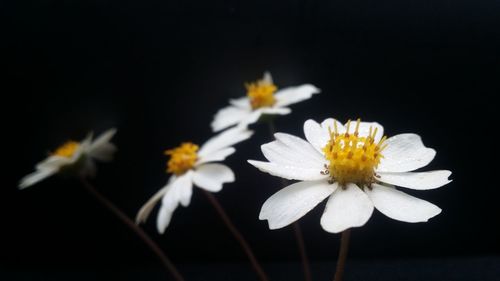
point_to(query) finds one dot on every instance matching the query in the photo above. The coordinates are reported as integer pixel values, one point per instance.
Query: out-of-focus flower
(356, 167)
(263, 98)
(190, 164)
(75, 157)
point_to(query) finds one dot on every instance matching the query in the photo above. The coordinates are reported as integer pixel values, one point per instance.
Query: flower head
(75, 157)
(261, 93)
(356, 167)
(182, 158)
(263, 97)
(192, 164)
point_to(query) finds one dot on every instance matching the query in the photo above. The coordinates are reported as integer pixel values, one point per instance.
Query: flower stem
(246, 248)
(302, 250)
(344, 248)
(134, 227)
(296, 227)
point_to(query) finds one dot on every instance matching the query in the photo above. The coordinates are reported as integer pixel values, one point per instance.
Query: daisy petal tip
(112, 131)
(230, 179)
(22, 185)
(262, 217)
(328, 227)
(434, 212)
(315, 90)
(139, 219)
(161, 230)
(432, 152)
(273, 226)
(216, 128)
(254, 163)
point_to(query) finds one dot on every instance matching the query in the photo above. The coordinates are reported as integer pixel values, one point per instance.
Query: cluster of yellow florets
(261, 93)
(182, 158)
(353, 158)
(67, 149)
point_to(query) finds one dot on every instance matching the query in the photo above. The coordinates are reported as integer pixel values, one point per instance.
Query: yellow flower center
(182, 158)
(261, 93)
(353, 159)
(67, 149)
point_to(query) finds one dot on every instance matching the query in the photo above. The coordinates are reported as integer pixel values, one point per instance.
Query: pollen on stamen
(67, 150)
(182, 158)
(353, 158)
(261, 93)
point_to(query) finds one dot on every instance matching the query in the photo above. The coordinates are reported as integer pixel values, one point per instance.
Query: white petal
(146, 209)
(364, 129)
(36, 177)
(294, 201)
(301, 147)
(419, 181)
(224, 140)
(405, 152)
(282, 154)
(53, 162)
(288, 172)
(329, 124)
(219, 155)
(182, 189)
(179, 191)
(276, 110)
(211, 176)
(253, 117)
(103, 138)
(316, 135)
(293, 95)
(243, 102)
(229, 116)
(164, 217)
(267, 78)
(346, 208)
(401, 206)
(103, 152)
(85, 145)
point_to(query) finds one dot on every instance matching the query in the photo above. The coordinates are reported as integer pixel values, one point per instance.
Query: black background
(159, 71)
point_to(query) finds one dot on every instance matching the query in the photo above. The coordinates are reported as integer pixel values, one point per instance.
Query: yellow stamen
(353, 159)
(67, 149)
(261, 93)
(182, 158)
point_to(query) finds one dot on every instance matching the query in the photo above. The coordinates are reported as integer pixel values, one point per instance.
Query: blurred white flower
(190, 165)
(263, 97)
(356, 168)
(74, 156)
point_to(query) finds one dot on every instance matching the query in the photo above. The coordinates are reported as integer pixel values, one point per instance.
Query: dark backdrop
(159, 70)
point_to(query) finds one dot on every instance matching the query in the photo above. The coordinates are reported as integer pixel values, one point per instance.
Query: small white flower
(75, 157)
(192, 166)
(262, 98)
(356, 169)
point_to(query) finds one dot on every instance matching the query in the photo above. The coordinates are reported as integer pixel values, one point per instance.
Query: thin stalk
(344, 248)
(237, 234)
(296, 227)
(136, 229)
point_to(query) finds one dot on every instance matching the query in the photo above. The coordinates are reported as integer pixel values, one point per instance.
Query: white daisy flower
(72, 156)
(356, 168)
(263, 97)
(190, 165)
